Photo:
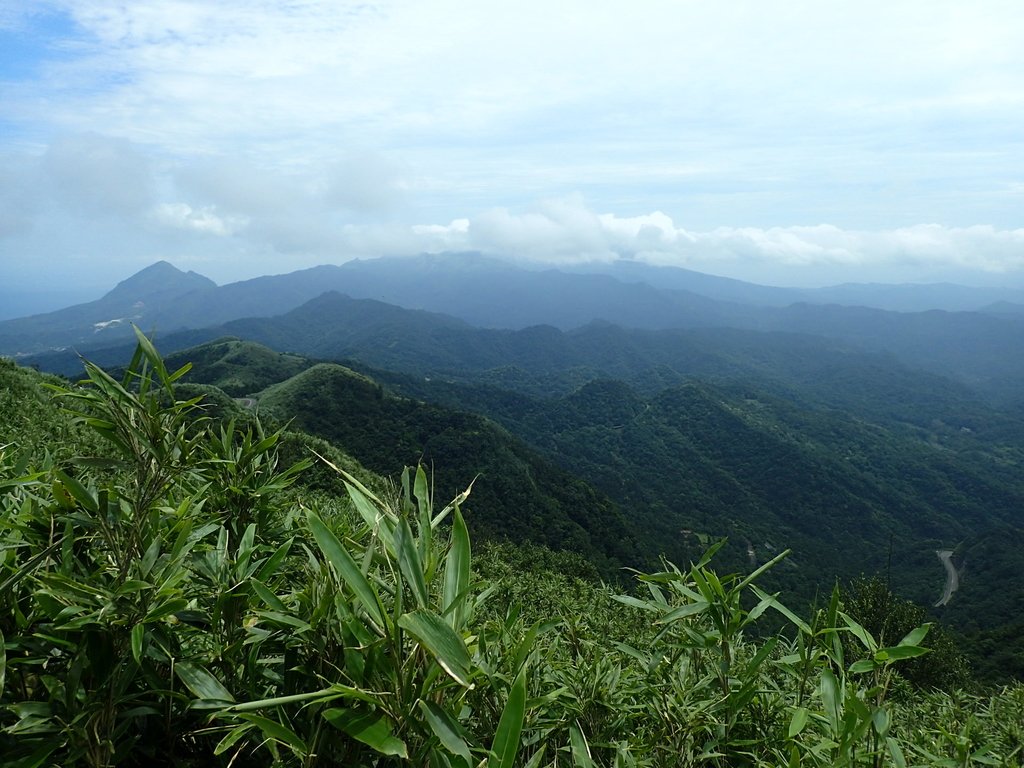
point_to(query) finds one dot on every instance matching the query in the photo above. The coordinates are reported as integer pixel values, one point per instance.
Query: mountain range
(983, 347)
(631, 411)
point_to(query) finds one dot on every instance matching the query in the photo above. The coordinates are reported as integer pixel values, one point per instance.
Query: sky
(787, 142)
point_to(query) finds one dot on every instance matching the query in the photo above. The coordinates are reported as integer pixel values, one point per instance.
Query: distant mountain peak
(159, 280)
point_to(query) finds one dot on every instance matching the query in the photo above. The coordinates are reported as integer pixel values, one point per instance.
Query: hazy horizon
(803, 145)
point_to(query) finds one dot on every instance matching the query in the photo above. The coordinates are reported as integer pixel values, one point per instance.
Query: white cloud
(566, 231)
(701, 134)
(204, 220)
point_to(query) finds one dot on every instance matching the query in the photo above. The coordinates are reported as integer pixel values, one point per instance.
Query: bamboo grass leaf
(915, 636)
(345, 566)
(267, 596)
(757, 573)
(441, 640)
(3, 663)
(409, 562)
(799, 623)
(880, 721)
(862, 665)
(454, 597)
(799, 721)
(900, 652)
(505, 746)
(581, 756)
(336, 691)
(446, 729)
(424, 507)
(830, 698)
(896, 752)
(203, 685)
(138, 633)
(633, 602)
(277, 732)
(274, 561)
(862, 634)
(232, 738)
(370, 728)
(690, 609)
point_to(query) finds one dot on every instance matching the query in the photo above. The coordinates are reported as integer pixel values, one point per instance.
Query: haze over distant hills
(980, 343)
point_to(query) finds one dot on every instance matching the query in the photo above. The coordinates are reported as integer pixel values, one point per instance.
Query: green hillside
(856, 464)
(186, 597)
(237, 367)
(516, 494)
(850, 490)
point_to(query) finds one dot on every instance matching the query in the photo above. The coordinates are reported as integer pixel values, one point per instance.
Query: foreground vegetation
(177, 597)
(854, 464)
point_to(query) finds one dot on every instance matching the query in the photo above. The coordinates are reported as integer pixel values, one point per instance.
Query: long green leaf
(830, 698)
(274, 561)
(232, 738)
(915, 636)
(336, 691)
(796, 725)
(799, 623)
(861, 633)
(754, 576)
(424, 507)
(690, 609)
(454, 596)
(505, 746)
(371, 728)
(896, 752)
(441, 640)
(409, 562)
(3, 663)
(345, 566)
(202, 684)
(446, 730)
(581, 756)
(138, 634)
(899, 652)
(372, 509)
(267, 596)
(277, 731)
(633, 602)
(881, 721)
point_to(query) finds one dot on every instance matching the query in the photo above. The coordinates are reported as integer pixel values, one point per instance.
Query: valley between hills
(634, 413)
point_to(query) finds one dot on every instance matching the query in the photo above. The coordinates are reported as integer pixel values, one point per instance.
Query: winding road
(952, 576)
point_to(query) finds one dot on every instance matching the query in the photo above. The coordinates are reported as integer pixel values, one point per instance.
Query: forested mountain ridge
(984, 349)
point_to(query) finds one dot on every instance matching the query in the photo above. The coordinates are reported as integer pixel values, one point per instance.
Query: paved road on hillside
(952, 576)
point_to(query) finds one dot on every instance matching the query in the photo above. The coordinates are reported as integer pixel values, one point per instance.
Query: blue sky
(795, 142)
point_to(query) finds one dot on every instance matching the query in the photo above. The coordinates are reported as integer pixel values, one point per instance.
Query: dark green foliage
(178, 603)
(888, 617)
(518, 495)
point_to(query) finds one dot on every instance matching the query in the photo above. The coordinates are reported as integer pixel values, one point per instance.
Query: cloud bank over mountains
(796, 143)
(234, 220)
